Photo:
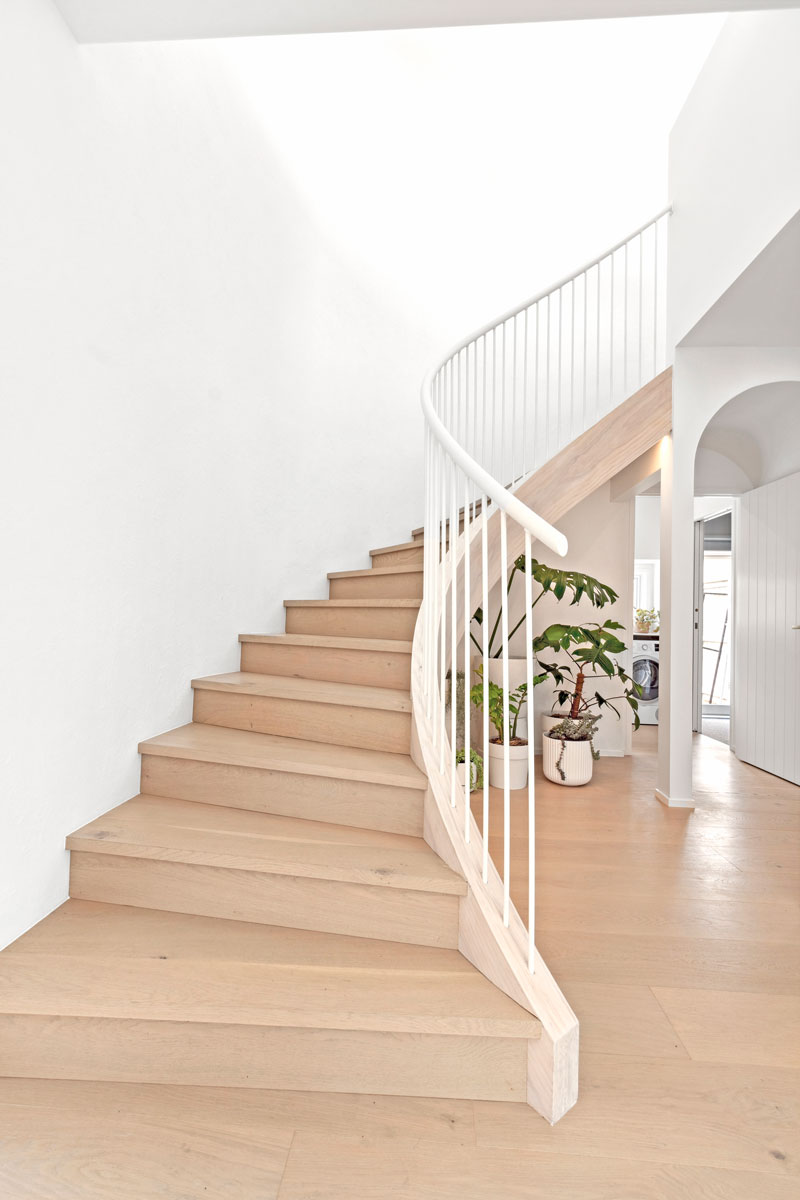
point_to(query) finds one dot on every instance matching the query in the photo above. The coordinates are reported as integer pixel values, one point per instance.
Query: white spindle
(531, 750)
(506, 746)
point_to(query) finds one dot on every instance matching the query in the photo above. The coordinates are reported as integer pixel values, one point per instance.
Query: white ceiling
(151, 20)
(762, 307)
(753, 440)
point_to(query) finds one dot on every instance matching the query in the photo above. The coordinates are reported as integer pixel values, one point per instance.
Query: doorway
(713, 600)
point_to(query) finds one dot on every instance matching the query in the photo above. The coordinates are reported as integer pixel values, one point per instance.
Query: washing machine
(645, 673)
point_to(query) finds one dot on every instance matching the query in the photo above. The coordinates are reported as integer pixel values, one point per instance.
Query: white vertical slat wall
(766, 696)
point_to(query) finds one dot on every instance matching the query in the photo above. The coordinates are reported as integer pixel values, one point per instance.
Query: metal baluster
(506, 720)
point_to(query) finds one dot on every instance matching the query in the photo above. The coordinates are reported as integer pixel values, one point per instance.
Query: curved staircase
(301, 896)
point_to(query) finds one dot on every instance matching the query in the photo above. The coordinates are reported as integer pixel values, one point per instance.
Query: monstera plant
(551, 580)
(590, 651)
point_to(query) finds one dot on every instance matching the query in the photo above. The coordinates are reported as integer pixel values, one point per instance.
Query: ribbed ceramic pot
(576, 762)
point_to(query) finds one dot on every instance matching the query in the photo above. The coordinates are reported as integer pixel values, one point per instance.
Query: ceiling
(762, 307)
(753, 440)
(151, 20)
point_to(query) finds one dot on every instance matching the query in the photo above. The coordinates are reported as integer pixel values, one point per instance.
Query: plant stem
(576, 699)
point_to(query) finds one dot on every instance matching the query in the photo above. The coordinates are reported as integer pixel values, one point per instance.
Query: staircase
(266, 912)
(301, 896)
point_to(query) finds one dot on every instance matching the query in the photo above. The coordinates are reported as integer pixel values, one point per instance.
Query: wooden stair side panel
(371, 662)
(340, 715)
(382, 583)
(392, 556)
(393, 619)
(381, 806)
(209, 1055)
(296, 902)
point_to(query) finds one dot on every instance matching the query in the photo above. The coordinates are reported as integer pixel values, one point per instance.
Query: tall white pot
(517, 766)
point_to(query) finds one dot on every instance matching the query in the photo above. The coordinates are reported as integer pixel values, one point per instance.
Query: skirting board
(672, 801)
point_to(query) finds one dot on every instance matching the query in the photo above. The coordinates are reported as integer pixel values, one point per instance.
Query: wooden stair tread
(394, 549)
(325, 642)
(108, 961)
(183, 831)
(238, 747)
(354, 603)
(313, 691)
(375, 572)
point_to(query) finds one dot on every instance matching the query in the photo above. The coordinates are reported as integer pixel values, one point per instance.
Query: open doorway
(713, 600)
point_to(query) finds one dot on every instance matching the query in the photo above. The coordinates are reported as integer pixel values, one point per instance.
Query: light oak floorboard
(735, 1026)
(422, 1170)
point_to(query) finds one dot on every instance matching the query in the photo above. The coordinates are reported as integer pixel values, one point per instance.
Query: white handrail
(535, 525)
(500, 404)
(554, 287)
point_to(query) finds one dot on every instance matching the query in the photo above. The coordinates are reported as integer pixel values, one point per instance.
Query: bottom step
(113, 993)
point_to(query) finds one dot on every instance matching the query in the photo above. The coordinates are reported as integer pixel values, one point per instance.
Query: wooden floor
(675, 936)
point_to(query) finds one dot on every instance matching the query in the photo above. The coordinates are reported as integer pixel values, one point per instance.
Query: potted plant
(549, 580)
(475, 769)
(517, 746)
(646, 620)
(590, 650)
(568, 750)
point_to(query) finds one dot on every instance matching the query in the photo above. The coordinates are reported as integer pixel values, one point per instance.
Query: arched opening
(747, 549)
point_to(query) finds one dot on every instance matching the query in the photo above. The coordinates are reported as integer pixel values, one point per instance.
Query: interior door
(766, 699)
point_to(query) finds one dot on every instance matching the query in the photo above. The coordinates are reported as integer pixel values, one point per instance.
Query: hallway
(675, 937)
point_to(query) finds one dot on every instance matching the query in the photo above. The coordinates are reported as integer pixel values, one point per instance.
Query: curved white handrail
(505, 500)
(501, 403)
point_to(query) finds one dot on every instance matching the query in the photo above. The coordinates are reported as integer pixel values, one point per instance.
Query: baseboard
(672, 801)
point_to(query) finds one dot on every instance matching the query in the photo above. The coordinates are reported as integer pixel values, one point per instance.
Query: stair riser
(370, 667)
(213, 1055)
(398, 558)
(334, 724)
(310, 797)
(326, 906)
(378, 587)
(397, 623)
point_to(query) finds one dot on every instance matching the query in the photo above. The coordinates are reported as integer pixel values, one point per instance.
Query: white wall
(734, 165)
(648, 528)
(225, 269)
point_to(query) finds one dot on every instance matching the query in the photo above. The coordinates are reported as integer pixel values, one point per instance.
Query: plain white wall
(733, 160)
(226, 267)
(648, 528)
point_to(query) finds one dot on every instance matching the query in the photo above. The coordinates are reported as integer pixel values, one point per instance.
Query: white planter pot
(517, 766)
(461, 775)
(576, 763)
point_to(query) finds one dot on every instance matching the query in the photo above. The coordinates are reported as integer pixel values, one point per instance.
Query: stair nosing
(378, 572)
(394, 549)
(329, 642)
(359, 602)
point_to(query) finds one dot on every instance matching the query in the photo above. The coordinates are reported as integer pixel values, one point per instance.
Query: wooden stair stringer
(501, 953)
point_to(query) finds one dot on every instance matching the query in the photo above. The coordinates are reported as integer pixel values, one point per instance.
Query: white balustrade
(502, 403)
